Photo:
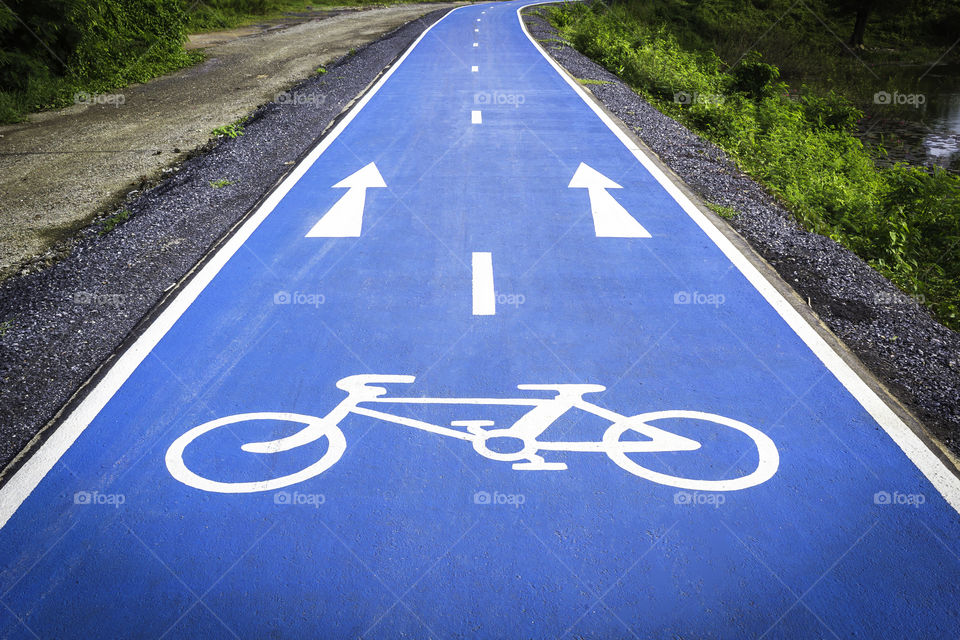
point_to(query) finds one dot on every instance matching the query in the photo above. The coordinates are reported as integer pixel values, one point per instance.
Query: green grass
(114, 221)
(807, 41)
(727, 213)
(231, 130)
(903, 220)
(86, 47)
(590, 81)
(223, 182)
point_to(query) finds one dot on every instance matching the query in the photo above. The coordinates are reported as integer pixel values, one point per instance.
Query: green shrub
(70, 46)
(756, 79)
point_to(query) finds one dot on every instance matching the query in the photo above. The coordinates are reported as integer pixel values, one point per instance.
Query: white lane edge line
(22, 483)
(910, 443)
(484, 300)
(476, 117)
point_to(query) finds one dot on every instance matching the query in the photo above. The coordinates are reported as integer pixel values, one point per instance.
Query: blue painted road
(327, 433)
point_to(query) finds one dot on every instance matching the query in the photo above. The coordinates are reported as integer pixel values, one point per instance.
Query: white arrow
(610, 220)
(345, 217)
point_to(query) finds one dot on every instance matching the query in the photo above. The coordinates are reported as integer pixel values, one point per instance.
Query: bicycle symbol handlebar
(518, 444)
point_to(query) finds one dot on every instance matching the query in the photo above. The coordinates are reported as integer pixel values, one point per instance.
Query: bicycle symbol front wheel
(617, 450)
(316, 427)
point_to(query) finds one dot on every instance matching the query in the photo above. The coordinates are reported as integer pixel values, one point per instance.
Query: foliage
(114, 221)
(905, 221)
(231, 130)
(52, 49)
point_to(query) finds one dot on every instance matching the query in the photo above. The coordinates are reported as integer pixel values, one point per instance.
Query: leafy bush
(905, 221)
(755, 78)
(50, 49)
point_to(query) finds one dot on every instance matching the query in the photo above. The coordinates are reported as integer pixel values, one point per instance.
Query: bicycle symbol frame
(525, 453)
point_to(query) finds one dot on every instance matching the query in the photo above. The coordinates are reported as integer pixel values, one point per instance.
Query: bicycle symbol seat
(518, 444)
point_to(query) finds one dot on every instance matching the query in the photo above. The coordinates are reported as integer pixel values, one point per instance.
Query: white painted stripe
(476, 30)
(25, 480)
(942, 478)
(476, 44)
(484, 301)
(474, 69)
(476, 117)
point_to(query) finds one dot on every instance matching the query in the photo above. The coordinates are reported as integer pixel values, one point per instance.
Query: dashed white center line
(476, 118)
(476, 44)
(476, 30)
(484, 301)
(475, 69)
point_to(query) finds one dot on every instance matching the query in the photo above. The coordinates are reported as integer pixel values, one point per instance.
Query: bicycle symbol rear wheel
(617, 450)
(318, 426)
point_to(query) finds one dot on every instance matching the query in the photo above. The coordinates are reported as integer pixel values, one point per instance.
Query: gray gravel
(912, 354)
(62, 322)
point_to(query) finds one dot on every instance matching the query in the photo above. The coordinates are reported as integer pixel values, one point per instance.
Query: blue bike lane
(487, 167)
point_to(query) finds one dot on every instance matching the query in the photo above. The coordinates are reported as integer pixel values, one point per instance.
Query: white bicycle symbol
(518, 444)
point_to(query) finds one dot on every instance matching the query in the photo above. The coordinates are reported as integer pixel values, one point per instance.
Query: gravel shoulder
(61, 168)
(59, 324)
(915, 357)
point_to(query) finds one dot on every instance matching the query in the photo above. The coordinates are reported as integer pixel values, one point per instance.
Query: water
(924, 128)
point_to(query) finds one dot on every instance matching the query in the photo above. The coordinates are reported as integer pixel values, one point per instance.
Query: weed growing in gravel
(231, 130)
(590, 81)
(5, 326)
(113, 221)
(216, 184)
(903, 220)
(727, 213)
(321, 70)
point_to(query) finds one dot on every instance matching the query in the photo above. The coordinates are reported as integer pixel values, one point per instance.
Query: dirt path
(62, 168)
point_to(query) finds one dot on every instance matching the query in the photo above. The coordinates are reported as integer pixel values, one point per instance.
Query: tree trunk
(860, 25)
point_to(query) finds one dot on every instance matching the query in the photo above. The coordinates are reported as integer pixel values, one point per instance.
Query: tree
(860, 23)
(863, 10)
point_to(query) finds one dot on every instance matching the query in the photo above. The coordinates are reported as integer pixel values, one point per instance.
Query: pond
(919, 122)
